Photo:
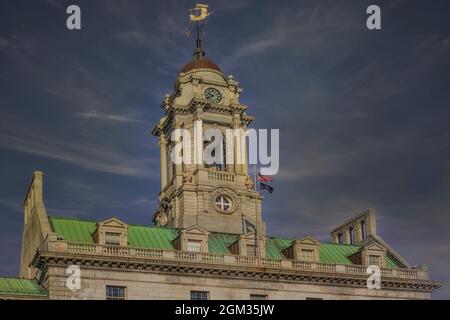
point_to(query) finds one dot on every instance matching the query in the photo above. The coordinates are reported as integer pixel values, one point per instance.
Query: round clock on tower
(213, 95)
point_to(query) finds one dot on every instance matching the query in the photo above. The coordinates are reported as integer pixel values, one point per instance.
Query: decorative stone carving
(163, 216)
(178, 124)
(188, 177)
(249, 183)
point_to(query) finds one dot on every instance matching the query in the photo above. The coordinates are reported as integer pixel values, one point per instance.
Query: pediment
(195, 230)
(251, 235)
(308, 240)
(113, 222)
(375, 247)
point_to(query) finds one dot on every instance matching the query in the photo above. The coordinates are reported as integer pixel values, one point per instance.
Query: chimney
(34, 195)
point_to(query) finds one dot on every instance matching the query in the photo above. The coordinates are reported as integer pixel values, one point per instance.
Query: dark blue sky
(364, 115)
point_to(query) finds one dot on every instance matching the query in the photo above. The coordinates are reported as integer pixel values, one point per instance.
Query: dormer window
(112, 239)
(247, 245)
(111, 232)
(306, 249)
(192, 239)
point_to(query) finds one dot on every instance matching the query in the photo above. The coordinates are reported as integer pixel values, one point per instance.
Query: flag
(266, 187)
(264, 178)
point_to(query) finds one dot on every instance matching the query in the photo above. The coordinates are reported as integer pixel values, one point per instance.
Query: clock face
(213, 95)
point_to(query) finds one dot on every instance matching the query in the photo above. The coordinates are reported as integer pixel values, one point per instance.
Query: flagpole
(256, 215)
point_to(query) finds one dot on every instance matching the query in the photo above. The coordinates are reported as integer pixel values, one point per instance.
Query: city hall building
(208, 240)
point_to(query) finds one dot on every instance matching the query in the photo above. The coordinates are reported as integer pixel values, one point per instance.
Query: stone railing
(220, 176)
(224, 259)
(113, 250)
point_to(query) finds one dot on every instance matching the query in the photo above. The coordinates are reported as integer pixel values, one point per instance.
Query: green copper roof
(274, 247)
(219, 242)
(75, 230)
(151, 237)
(337, 253)
(20, 287)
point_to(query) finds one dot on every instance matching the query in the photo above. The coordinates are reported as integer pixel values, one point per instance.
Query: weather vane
(197, 18)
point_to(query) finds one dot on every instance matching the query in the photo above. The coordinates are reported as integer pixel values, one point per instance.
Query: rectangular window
(115, 293)
(351, 234)
(251, 250)
(307, 255)
(363, 230)
(194, 246)
(340, 238)
(258, 297)
(112, 239)
(199, 295)
(374, 260)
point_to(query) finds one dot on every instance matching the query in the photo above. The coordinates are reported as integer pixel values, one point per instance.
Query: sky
(363, 115)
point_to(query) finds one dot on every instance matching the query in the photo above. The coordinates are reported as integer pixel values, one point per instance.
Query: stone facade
(173, 274)
(161, 286)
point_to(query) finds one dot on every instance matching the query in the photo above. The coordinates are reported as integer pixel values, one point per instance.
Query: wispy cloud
(89, 156)
(110, 117)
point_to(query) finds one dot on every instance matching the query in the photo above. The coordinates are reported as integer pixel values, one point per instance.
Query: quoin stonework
(208, 239)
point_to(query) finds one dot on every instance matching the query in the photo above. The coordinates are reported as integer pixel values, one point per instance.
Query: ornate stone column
(163, 150)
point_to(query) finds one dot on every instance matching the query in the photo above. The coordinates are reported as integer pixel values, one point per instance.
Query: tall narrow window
(351, 234)
(340, 238)
(363, 230)
(112, 239)
(199, 295)
(115, 293)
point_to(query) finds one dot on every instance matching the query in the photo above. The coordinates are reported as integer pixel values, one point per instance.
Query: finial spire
(197, 18)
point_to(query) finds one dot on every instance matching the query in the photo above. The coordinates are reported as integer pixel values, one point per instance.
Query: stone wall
(150, 286)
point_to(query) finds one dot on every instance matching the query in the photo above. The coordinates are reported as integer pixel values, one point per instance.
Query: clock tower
(218, 197)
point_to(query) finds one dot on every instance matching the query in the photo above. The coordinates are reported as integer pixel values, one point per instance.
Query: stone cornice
(172, 262)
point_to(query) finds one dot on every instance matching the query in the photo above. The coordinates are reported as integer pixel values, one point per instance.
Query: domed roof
(202, 63)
